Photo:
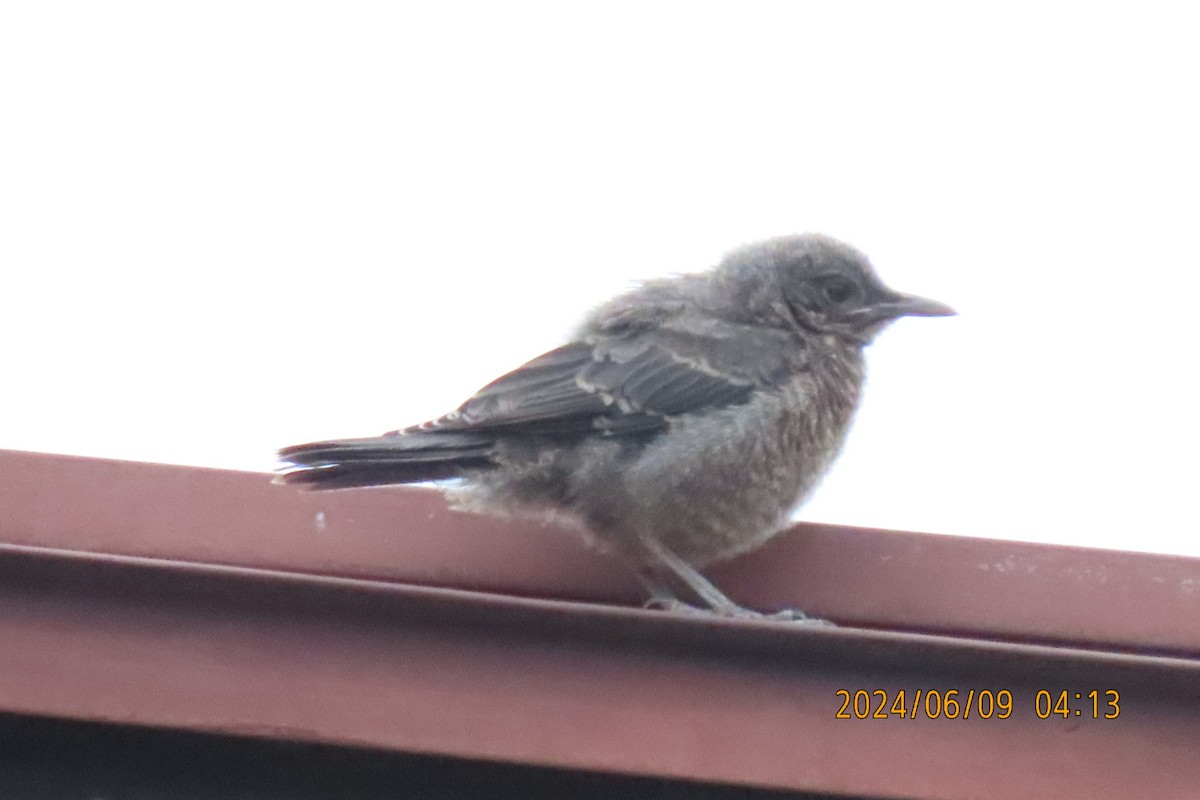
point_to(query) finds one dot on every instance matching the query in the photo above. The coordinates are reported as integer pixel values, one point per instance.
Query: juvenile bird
(681, 426)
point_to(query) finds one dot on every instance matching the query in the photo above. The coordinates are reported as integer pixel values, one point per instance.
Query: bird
(681, 425)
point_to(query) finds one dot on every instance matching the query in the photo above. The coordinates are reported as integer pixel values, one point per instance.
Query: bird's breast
(717, 484)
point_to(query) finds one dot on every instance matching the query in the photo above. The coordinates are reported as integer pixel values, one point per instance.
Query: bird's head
(815, 283)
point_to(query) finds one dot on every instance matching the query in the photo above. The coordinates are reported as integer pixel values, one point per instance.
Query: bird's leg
(662, 597)
(700, 585)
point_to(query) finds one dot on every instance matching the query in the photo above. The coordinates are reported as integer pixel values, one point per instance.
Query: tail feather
(382, 460)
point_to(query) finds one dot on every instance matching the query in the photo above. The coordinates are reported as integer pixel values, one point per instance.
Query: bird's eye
(838, 291)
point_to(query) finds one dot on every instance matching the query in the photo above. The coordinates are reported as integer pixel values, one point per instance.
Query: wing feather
(629, 383)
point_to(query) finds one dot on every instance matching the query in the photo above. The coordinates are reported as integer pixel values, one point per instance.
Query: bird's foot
(794, 615)
(733, 611)
(674, 605)
(783, 615)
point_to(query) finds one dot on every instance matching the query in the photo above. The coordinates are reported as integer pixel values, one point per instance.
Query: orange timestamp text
(977, 703)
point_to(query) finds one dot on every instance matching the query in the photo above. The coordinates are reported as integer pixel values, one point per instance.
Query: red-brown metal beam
(590, 687)
(882, 579)
(106, 613)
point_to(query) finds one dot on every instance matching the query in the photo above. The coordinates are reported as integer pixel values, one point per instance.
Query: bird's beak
(909, 305)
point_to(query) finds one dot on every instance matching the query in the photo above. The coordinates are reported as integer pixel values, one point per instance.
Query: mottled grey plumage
(681, 426)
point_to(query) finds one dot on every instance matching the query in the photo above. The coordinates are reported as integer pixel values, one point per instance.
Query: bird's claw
(796, 615)
(676, 606)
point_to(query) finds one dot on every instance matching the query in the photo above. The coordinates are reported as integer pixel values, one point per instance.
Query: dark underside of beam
(44, 758)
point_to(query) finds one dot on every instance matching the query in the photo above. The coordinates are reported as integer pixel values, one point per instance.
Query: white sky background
(231, 226)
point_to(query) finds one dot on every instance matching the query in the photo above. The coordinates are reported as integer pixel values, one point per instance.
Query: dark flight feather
(627, 385)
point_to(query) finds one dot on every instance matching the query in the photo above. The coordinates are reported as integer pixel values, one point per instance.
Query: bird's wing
(631, 383)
